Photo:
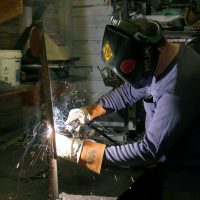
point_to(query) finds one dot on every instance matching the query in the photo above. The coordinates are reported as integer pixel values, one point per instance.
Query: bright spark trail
(34, 150)
(66, 96)
(36, 140)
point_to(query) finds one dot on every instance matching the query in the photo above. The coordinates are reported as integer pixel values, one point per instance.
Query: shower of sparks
(65, 96)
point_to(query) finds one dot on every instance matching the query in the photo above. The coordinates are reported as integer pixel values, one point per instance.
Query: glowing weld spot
(17, 166)
(132, 179)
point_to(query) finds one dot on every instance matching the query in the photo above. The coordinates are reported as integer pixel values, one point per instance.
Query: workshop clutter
(10, 63)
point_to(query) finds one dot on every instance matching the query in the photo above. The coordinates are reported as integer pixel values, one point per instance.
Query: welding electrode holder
(70, 128)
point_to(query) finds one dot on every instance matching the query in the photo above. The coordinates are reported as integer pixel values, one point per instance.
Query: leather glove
(77, 118)
(92, 155)
(68, 148)
(80, 114)
(86, 153)
(85, 114)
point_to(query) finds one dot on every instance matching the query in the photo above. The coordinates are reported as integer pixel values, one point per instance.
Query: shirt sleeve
(121, 97)
(162, 132)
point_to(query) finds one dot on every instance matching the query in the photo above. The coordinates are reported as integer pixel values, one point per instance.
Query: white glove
(80, 114)
(68, 148)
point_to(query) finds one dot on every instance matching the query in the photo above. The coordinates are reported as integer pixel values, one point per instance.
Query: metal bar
(48, 115)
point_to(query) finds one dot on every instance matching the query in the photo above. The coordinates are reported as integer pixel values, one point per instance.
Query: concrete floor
(25, 182)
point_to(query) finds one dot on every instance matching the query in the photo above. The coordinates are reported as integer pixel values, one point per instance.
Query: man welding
(166, 76)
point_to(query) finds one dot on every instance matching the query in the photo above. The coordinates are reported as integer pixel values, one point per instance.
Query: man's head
(130, 48)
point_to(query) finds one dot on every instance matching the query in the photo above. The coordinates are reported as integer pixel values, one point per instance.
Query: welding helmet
(131, 54)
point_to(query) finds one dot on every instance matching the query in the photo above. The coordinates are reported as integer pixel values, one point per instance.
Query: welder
(166, 77)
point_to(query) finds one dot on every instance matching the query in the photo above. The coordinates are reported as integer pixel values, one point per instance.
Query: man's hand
(85, 114)
(77, 118)
(80, 114)
(68, 148)
(86, 153)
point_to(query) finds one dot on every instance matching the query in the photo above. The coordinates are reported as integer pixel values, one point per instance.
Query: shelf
(10, 9)
(18, 90)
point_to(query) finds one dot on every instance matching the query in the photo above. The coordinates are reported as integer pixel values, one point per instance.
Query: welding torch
(72, 129)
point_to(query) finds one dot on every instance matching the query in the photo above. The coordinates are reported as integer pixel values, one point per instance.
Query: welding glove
(76, 120)
(85, 114)
(68, 148)
(86, 153)
(79, 114)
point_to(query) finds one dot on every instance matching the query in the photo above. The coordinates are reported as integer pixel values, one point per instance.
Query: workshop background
(73, 32)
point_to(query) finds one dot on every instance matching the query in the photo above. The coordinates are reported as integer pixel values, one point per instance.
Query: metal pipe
(52, 177)
(39, 49)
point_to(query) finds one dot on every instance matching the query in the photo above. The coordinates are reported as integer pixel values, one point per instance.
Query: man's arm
(121, 97)
(162, 133)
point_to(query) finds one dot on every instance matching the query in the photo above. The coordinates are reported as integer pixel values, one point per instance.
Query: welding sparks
(17, 165)
(132, 179)
(35, 146)
(49, 131)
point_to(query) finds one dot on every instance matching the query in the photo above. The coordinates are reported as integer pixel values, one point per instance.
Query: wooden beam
(10, 9)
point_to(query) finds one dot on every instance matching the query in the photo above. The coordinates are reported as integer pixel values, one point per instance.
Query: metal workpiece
(38, 49)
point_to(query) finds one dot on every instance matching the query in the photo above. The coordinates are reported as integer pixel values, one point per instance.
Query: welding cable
(102, 130)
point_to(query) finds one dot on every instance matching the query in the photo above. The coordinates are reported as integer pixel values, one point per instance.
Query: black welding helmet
(130, 54)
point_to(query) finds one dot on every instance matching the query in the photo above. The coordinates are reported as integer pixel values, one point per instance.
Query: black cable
(101, 130)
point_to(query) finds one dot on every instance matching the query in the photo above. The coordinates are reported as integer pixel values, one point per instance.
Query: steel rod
(48, 114)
